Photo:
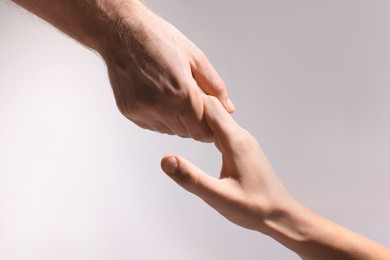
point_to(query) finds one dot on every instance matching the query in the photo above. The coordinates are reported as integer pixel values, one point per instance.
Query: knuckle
(201, 57)
(141, 124)
(181, 93)
(122, 109)
(130, 109)
(179, 100)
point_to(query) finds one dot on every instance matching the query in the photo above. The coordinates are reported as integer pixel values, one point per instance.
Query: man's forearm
(93, 23)
(314, 237)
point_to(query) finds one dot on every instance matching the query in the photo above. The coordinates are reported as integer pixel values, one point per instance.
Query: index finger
(219, 120)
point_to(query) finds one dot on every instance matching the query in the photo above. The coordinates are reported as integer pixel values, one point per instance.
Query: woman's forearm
(314, 237)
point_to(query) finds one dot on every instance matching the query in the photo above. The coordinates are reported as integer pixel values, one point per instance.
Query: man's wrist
(114, 21)
(94, 23)
(123, 29)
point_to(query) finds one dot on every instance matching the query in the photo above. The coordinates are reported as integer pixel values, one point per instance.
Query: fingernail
(170, 165)
(230, 105)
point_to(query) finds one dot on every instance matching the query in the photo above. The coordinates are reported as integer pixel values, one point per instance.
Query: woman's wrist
(296, 227)
(286, 223)
(312, 236)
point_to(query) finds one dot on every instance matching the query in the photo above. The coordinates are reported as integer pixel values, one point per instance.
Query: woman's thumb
(189, 176)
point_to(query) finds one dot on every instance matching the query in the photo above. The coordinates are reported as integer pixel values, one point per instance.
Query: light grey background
(78, 181)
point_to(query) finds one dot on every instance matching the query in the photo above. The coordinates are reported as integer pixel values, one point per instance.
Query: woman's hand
(248, 192)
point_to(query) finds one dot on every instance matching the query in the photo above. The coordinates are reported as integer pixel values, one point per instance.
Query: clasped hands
(156, 73)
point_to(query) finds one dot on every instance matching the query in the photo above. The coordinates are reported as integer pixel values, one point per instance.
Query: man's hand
(155, 71)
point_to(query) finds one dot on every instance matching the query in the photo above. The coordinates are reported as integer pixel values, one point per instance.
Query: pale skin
(156, 73)
(154, 70)
(250, 194)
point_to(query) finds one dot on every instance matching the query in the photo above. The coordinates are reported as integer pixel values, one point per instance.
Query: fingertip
(231, 108)
(227, 104)
(169, 164)
(190, 177)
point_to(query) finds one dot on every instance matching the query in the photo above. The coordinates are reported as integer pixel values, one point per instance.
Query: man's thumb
(189, 176)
